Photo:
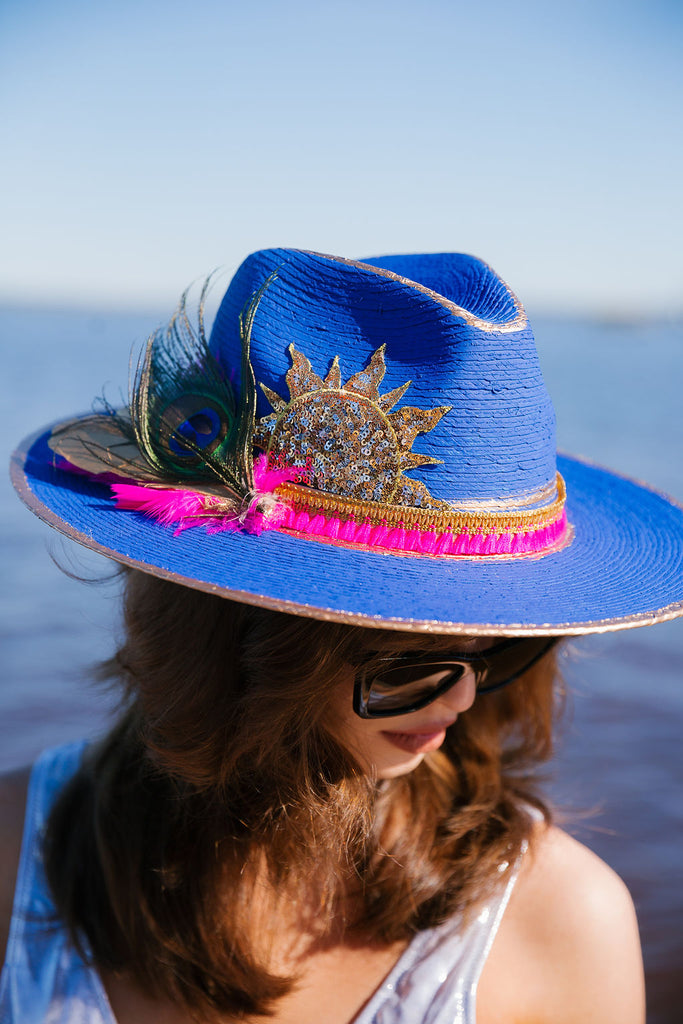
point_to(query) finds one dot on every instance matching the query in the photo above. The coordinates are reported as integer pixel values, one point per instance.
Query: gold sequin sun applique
(345, 438)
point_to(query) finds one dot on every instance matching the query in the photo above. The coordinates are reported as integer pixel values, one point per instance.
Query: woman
(303, 810)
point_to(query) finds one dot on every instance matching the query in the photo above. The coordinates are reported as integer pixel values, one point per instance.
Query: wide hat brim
(623, 567)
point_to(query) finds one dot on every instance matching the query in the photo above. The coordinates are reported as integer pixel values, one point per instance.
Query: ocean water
(618, 773)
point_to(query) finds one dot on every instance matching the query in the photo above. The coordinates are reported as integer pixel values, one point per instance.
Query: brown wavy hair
(220, 781)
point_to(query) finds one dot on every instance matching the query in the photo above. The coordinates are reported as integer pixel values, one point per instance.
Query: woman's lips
(416, 742)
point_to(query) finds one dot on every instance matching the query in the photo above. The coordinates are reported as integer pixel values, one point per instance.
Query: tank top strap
(44, 978)
(435, 981)
(32, 900)
(481, 933)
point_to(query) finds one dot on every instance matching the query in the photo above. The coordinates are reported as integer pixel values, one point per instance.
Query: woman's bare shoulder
(571, 932)
(563, 874)
(13, 788)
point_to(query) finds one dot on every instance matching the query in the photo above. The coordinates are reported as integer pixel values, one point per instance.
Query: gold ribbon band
(375, 513)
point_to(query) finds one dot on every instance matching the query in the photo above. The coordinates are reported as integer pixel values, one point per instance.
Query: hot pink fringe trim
(185, 509)
(426, 542)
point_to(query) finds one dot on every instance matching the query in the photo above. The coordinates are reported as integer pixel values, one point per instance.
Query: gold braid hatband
(373, 513)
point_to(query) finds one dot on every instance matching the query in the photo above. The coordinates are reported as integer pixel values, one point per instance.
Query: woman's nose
(461, 696)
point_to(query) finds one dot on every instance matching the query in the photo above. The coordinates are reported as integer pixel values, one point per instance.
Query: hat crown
(451, 327)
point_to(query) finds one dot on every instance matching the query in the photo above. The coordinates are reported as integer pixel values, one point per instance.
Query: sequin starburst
(345, 437)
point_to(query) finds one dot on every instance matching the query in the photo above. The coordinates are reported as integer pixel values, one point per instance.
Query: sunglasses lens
(513, 662)
(402, 686)
(406, 684)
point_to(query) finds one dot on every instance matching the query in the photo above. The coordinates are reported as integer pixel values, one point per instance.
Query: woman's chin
(407, 764)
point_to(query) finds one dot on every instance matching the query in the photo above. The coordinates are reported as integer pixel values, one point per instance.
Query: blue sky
(149, 142)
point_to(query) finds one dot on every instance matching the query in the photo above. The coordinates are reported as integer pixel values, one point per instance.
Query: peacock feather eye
(195, 432)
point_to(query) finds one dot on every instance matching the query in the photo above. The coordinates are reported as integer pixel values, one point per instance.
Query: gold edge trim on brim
(308, 499)
(488, 326)
(46, 515)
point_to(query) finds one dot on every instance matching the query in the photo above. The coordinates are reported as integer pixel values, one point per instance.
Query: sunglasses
(403, 683)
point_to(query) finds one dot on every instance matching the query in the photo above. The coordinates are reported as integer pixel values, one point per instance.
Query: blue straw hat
(369, 443)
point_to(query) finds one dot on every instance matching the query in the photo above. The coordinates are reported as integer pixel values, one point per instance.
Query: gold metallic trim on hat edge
(489, 326)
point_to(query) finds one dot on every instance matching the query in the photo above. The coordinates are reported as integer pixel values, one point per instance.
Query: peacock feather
(183, 422)
(185, 419)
